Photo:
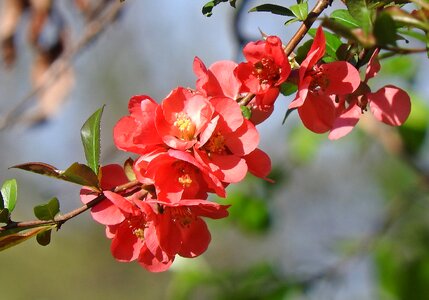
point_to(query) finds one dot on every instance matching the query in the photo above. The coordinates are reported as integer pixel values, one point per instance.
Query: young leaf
(90, 134)
(80, 174)
(300, 10)
(9, 192)
(39, 168)
(274, 9)
(128, 168)
(44, 237)
(13, 237)
(77, 173)
(48, 211)
(344, 17)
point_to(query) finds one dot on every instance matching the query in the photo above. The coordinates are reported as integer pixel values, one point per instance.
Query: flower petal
(195, 238)
(259, 163)
(317, 113)
(390, 105)
(343, 78)
(345, 122)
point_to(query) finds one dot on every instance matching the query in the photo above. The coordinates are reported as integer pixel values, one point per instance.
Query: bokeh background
(344, 220)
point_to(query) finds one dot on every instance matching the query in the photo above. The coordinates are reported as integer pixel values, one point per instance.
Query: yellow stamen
(185, 126)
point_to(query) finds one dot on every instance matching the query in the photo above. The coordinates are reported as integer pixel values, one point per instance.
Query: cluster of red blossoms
(197, 141)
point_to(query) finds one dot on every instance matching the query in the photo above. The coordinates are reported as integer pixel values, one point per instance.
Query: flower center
(185, 180)
(185, 127)
(182, 215)
(137, 226)
(216, 144)
(319, 82)
(266, 71)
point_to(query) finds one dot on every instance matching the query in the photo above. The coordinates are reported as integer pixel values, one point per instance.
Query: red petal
(345, 122)
(244, 140)
(120, 202)
(233, 168)
(112, 176)
(259, 163)
(390, 105)
(195, 238)
(230, 112)
(343, 78)
(373, 66)
(168, 234)
(125, 245)
(159, 262)
(317, 113)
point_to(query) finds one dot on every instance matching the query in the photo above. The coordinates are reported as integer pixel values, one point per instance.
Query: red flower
(229, 138)
(319, 84)
(181, 117)
(137, 132)
(267, 65)
(181, 230)
(177, 175)
(218, 80)
(390, 104)
(266, 68)
(135, 237)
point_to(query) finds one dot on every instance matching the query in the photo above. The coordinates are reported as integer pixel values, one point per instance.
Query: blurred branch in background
(52, 72)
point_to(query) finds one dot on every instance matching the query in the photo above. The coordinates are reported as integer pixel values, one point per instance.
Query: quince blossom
(319, 84)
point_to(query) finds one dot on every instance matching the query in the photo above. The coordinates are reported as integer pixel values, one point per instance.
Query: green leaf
(300, 10)
(385, 30)
(302, 51)
(246, 112)
(44, 237)
(48, 211)
(90, 134)
(333, 42)
(343, 16)
(9, 192)
(80, 174)
(293, 20)
(360, 11)
(366, 40)
(13, 237)
(207, 9)
(288, 88)
(274, 9)
(4, 215)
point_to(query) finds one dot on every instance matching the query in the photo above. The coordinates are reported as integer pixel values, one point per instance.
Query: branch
(63, 63)
(58, 221)
(320, 6)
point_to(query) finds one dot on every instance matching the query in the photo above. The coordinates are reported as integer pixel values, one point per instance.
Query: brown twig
(93, 29)
(320, 6)
(61, 219)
